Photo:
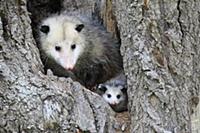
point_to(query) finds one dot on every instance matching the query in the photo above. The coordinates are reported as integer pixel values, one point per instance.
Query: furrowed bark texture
(160, 45)
(196, 120)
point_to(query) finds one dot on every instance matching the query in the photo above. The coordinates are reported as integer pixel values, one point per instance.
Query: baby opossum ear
(124, 89)
(102, 88)
(79, 27)
(44, 29)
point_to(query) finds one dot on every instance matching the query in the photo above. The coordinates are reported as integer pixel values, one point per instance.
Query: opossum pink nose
(70, 68)
(114, 103)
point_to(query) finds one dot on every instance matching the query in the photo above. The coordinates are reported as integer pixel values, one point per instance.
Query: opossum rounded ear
(124, 89)
(44, 29)
(79, 27)
(102, 88)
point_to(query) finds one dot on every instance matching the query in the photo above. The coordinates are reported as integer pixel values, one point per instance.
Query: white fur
(114, 91)
(62, 33)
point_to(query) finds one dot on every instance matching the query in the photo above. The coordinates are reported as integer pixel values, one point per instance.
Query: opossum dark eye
(79, 27)
(109, 96)
(57, 48)
(73, 46)
(44, 29)
(118, 96)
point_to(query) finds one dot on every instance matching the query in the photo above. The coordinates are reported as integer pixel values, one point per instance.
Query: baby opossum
(85, 49)
(114, 93)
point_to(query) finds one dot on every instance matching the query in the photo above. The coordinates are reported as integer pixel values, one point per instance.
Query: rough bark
(160, 45)
(196, 120)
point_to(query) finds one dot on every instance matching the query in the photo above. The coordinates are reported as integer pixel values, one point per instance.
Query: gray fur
(101, 59)
(98, 69)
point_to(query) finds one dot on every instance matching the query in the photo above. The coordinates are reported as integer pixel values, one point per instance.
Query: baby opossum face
(113, 94)
(62, 40)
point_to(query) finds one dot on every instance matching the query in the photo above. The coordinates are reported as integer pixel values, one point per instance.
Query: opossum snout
(67, 64)
(69, 68)
(113, 103)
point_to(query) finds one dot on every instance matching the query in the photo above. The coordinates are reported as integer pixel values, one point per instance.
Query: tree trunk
(160, 51)
(161, 54)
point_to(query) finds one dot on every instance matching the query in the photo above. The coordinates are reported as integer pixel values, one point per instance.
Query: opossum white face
(62, 40)
(113, 94)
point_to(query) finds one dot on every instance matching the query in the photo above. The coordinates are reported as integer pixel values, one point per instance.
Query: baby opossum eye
(118, 96)
(57, 48)
(73, 46)
(109, 96)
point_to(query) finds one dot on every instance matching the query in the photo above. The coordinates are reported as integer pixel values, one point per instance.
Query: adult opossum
(83, 48)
